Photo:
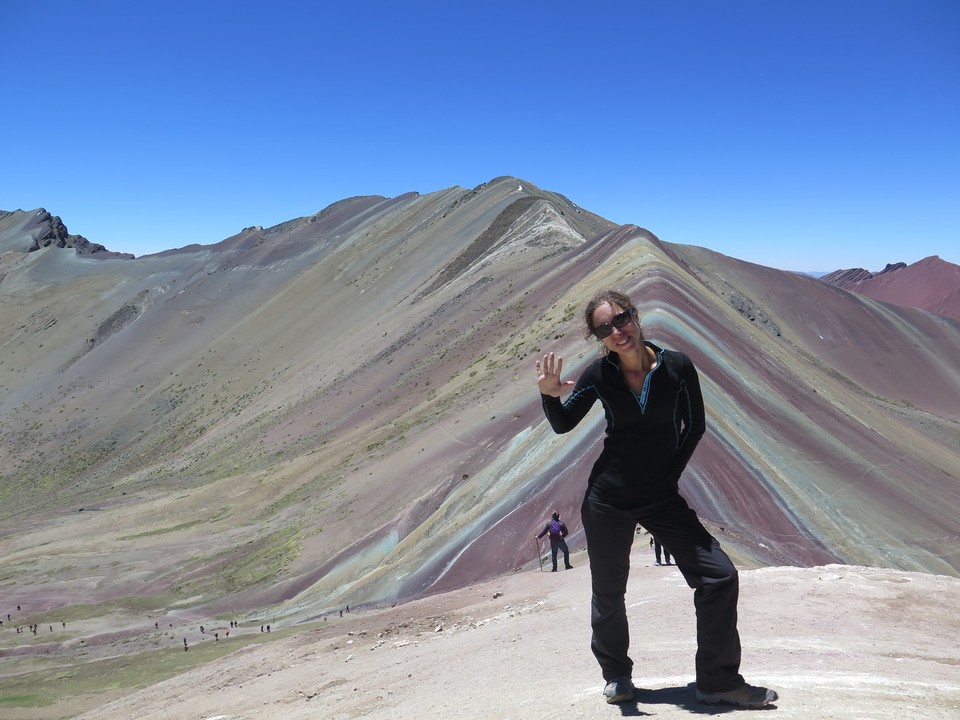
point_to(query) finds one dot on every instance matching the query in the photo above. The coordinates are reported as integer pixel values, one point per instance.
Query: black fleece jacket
(650, 437)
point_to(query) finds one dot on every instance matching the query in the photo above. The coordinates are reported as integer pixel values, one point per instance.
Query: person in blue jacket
(654, 419)
(557, 531)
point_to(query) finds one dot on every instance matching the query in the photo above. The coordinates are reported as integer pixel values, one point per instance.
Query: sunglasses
(618, 321)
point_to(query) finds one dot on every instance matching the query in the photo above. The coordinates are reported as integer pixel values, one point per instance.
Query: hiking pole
(539, 554)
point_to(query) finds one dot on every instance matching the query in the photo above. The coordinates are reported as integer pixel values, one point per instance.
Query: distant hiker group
(32, 627)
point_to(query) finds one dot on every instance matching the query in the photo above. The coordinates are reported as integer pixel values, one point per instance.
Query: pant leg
(656, 550)
(609, 534)
(553, 553)
(716, 585)
(566, 553)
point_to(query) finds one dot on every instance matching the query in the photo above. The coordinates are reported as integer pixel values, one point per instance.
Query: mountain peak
(929, 284)
(29, 231)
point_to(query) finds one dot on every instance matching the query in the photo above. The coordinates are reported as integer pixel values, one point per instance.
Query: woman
(655, 418)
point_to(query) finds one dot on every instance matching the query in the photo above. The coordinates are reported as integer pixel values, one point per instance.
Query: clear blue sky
(808, 135)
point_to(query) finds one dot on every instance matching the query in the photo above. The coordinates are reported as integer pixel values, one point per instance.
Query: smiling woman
(655, 419)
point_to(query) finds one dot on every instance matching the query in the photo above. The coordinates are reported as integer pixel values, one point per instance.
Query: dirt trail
(836, 642)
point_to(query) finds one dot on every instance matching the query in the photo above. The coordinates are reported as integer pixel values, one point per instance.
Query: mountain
(342, 410)
(31, 231)
(930, 284)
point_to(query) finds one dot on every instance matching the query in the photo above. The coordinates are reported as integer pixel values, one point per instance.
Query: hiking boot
(619, 690)
(745, 696)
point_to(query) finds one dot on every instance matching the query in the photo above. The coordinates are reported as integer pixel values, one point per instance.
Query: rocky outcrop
(52, 232)
(845, 278)
(842, 278)
(751, 312)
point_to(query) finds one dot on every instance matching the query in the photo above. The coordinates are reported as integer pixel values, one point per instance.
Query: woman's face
(621, 339)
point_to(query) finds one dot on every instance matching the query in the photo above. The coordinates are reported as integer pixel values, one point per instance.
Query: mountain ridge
(930, 284)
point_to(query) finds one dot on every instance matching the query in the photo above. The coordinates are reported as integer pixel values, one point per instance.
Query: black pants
(705, 566)
(560, 545)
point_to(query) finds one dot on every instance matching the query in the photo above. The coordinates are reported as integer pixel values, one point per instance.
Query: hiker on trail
(557, 532)
(656, 552)
(654, 419)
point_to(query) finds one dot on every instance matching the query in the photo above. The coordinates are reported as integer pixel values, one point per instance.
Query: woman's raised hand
(548, 375)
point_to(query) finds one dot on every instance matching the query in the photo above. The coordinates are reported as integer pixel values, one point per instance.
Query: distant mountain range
(930, 284)
(342, 409)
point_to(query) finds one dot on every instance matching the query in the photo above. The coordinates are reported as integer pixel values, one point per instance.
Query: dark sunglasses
(618, 321)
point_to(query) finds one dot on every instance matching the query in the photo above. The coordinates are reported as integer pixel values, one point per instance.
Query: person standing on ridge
(557, 532)
(654, 419)
(657, 547)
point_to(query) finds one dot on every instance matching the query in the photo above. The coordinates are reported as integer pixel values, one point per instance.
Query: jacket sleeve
(692, 416)
(564, 416)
